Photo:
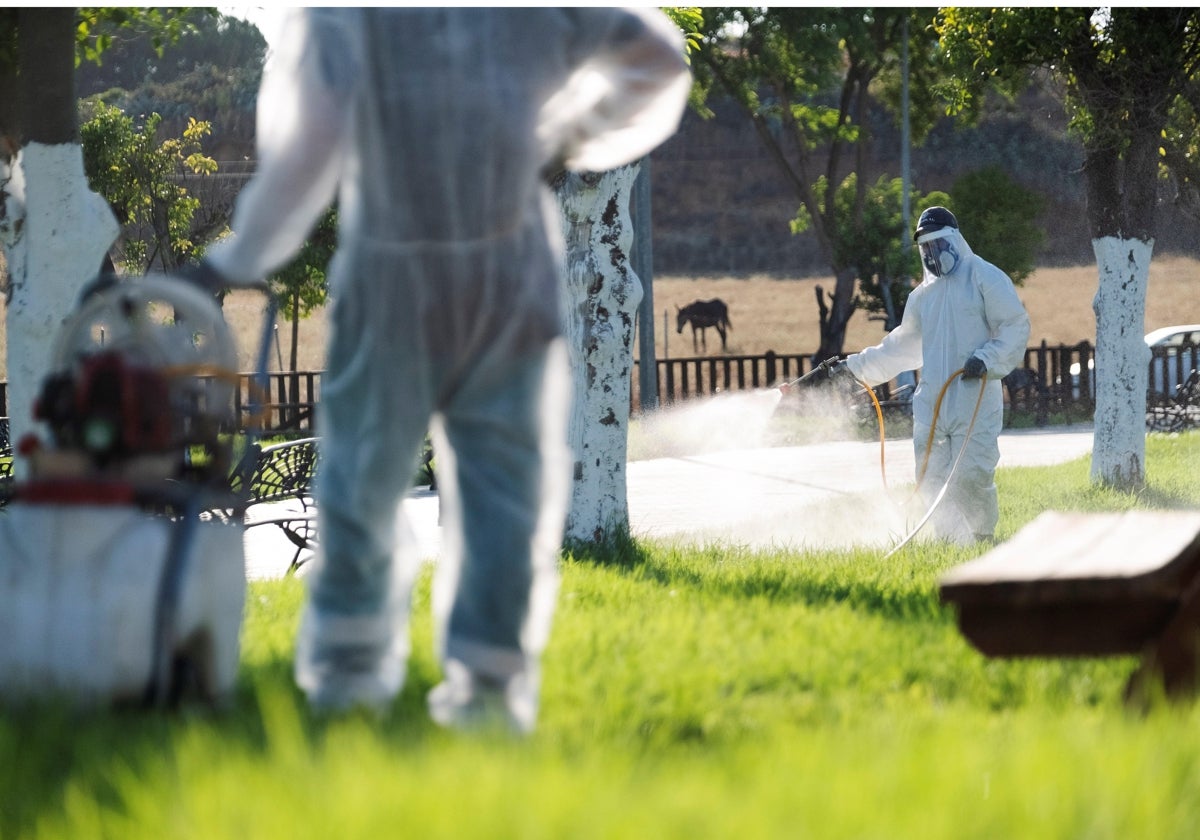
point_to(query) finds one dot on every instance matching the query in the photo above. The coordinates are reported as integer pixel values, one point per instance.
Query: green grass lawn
(687, 693)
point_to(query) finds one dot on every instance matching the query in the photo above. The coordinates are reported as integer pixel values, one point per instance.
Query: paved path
(819, 495)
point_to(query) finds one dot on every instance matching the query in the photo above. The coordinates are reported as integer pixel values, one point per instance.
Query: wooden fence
(1056, 380)
(288, 405)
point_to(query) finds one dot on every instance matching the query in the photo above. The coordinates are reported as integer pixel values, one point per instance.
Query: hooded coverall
(971, 311)
(431, 127)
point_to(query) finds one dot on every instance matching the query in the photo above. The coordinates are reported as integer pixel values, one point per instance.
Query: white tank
(80, 593)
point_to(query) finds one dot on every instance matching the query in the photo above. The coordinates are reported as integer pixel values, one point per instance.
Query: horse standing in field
(703, 314)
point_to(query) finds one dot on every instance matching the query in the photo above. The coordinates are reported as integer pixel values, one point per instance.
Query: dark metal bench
(1026, 390)
(1173, 414)
(6, 461)
(281, 472)
(1078, 584)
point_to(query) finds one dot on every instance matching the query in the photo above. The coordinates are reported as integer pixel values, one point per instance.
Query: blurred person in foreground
(965, 315)
(432, 129)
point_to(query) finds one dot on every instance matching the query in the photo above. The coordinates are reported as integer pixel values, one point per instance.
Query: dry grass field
(781, 314)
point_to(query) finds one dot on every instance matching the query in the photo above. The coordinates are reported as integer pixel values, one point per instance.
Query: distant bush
(1000, 220)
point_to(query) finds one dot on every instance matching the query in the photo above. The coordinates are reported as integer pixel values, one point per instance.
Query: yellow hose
(882, 431)
(929, 446)
(937, 409)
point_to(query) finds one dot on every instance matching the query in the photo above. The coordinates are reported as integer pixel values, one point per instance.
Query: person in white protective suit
(966, 316)
(432, 128)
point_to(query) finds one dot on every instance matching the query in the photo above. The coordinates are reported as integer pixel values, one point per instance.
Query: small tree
(866, 230)
(870, 235)
(302, 285)
(139, 177)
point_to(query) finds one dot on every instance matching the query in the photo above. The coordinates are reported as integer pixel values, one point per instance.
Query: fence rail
(1056, 380)
(287, 405)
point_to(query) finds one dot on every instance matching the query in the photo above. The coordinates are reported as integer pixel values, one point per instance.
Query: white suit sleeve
(626, 98)
(899, 351)
(1008, 323)
(302, 129)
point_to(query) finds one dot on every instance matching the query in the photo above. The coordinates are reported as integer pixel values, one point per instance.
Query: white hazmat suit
(970, 310)
(431, 128)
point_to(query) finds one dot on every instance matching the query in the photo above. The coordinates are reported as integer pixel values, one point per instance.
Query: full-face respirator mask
(938, 252)
(936, 241)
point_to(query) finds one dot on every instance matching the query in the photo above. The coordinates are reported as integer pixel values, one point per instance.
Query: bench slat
(1074, 584)
(1060, 555)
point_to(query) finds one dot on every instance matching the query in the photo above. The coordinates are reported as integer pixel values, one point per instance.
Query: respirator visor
(938, 251)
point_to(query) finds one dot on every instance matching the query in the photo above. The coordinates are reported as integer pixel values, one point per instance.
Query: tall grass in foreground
(687, 693)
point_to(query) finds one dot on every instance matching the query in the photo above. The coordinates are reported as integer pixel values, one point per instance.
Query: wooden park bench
(1080, 584)
(281, 472)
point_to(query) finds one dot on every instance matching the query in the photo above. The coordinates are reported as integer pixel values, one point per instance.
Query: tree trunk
(835, 317)
(54, 229)
(1122, 362)
(293, 387)
(1121, 197)
(602, 298)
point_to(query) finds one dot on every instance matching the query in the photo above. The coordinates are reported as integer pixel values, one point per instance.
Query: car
(1175, 353)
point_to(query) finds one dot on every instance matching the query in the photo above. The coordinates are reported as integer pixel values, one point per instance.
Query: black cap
(935, 218)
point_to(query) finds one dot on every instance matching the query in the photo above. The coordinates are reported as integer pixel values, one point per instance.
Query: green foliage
(301, 285)
(137, 174)
(1128, 75)
(97, 29)
(690, 20)
(1181, 149)
(1108, 57)
(999, 218)
(211, 72)
(8, 41)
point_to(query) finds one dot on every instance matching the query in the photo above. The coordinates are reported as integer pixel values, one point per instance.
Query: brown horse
(702, 314)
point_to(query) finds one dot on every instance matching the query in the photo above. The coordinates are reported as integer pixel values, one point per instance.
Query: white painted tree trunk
(602, 298)
(55, 232)
(1122, 362)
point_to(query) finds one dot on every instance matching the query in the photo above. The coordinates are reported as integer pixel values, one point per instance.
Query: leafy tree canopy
(1125, 72)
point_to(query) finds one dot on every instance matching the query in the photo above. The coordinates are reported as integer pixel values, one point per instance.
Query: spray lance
(826, 372)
